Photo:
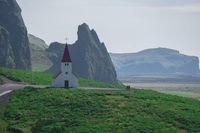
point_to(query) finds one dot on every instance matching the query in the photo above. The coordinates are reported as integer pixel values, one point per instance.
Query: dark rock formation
(159, 61)
(13, 37)
(89, 56)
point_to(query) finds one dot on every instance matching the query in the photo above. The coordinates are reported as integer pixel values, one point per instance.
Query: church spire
(66, 55)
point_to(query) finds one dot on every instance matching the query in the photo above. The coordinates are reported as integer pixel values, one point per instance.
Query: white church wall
(74, 81)
(66, 67)
(59, 81)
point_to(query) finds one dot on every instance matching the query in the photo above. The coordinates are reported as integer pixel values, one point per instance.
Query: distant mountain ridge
(155, 61)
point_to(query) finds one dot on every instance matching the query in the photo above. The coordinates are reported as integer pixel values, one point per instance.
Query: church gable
(65, 77)
(57, 74)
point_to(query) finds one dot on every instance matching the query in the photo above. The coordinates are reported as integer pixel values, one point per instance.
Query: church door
(66, 83)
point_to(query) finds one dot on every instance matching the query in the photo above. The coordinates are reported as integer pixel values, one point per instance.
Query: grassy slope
(37, 42)
(39, 78)
(77, 110)
(27, 76)
(1, 80)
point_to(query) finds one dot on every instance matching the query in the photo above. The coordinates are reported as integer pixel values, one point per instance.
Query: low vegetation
(1, 80)
(92, 83)
(78, 110)
(28, 77)
(187, 86)
(37, 42)
(39, 78)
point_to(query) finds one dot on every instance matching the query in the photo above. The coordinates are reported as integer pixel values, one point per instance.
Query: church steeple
(66, 55)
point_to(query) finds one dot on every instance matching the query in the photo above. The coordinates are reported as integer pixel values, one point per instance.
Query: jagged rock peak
(83, 32)
(95, 36)
(88, 37)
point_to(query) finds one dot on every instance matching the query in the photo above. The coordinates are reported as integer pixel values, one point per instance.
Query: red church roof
(66, 55)
(57, 74)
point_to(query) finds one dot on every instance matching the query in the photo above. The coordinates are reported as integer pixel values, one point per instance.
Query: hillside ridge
(155, 61)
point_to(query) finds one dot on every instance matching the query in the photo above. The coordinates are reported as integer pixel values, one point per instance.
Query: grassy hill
(37, 42)
(38, 47)
(78, 110)
(41, 63)
(39, 78)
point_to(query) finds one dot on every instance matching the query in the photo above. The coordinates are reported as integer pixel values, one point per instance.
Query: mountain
(37, 42)
(155, 61)
(14, 44)
(40, 58)
(89, 56)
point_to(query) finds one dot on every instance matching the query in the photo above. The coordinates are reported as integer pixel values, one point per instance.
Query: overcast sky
(123, 25)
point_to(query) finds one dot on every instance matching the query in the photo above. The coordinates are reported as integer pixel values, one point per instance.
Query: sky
(125, 26)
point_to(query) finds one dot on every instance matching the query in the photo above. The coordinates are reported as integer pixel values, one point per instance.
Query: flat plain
(186, 86)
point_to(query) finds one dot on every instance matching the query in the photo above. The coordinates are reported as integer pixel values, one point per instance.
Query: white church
(65, 77)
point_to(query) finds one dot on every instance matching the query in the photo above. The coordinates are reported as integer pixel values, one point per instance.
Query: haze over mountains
(90, 57)
(157, 61)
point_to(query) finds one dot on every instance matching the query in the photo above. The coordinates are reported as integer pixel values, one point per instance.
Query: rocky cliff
(159, 61)
(89, 56)
(14, 44)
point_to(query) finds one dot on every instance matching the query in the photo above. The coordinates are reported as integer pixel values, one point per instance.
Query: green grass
(39, 78)
(92, 83)
(1, 80)
(79, 110)
(28, 77)
(40, 67)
